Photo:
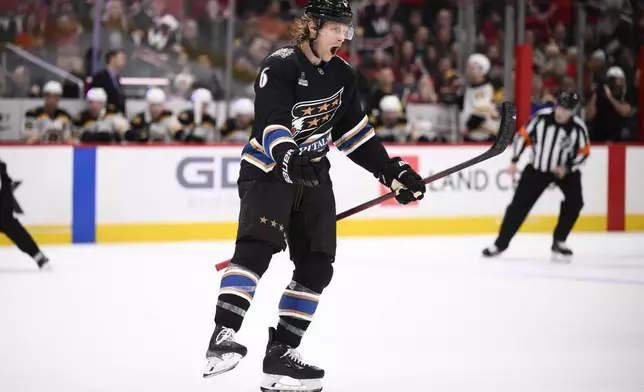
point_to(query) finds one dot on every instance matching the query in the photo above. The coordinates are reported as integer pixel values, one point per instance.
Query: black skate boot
(223, 352)
(285, 371)
(43, 262)
(492, 251)
(560, 252)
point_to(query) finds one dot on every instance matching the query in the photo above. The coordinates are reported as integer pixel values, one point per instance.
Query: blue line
(84, 196)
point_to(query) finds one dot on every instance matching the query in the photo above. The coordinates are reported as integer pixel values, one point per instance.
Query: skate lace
(295, 356)
(226, 334)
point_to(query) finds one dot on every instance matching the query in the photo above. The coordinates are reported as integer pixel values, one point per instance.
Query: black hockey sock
(21, 237)
(237, 290)
(296, 310)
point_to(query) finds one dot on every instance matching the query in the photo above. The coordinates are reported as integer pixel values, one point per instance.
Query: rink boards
(169, 193)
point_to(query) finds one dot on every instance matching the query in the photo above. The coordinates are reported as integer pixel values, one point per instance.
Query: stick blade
(506, 129)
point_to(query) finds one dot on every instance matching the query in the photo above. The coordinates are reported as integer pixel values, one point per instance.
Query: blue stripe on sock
(299, 304)
(84, 196)
(239, 281)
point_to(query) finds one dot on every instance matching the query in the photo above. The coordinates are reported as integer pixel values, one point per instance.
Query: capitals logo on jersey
(309, 116)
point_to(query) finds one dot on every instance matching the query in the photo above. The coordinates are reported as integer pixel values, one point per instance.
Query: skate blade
(223, 364)
(561, 259)
(277, 383)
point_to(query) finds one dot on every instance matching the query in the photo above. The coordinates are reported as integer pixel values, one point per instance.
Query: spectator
(425, 92)
(109, 79)
(386, 86)
(609, 107)
(376, 20)
(32, 36)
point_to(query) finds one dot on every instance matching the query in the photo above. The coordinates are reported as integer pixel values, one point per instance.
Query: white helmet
(155, 96)
(201, 95)
(243, 106)
(481, 62)
(615, 72)
(390, 103)
(96, 94)
(53, 88)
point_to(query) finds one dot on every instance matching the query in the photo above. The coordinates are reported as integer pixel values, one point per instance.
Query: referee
(11, 227)
(560, 144)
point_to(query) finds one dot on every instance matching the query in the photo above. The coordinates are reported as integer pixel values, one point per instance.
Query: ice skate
(560, 252)
(223, 352)
(43, 262)
(492, 251)
(285, 371)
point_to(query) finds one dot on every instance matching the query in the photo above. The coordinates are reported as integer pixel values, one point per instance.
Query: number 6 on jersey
(263, 78)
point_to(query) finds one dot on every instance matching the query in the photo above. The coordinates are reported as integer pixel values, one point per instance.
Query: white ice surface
(402, 314)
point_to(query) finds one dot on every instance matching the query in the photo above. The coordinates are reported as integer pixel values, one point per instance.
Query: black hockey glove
(303, 167)
(402, 179)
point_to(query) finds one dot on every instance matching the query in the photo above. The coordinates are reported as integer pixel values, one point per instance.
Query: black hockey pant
(11, 227)
(272, 214)
(531, 186)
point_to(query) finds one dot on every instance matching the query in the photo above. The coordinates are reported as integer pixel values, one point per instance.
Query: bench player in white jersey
(48, 123)
(99, 123)
(155, 124)
(479, 119)
(197, 126)
(306, 97)
(238, 128)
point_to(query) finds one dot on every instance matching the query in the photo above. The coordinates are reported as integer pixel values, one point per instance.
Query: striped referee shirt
(553, 145)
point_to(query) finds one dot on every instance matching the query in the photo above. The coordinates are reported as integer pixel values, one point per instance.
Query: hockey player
(306, 97)
(155, 124)
(391, 123)
(11, 227)
(197, 126)
(480, 118)
(98, 123)
(48, 123)
(560, 144)
(239, 127)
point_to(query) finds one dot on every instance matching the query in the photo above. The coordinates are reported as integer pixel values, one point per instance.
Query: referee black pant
(531, 186)
(11, 227)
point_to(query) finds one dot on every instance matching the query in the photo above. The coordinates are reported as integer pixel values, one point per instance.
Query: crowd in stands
(405, 48)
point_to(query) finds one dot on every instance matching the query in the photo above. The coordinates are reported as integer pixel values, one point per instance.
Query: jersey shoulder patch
(185, 117)
(35, 112)
(284, 52)
(137, 120)
(63, 113)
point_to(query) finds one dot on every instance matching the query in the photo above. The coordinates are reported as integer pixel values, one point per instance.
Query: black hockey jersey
(54, 126)
(232, 131)
(193, 131)
(299, 103)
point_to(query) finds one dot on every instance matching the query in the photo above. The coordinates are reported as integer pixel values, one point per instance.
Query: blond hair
(300, 31)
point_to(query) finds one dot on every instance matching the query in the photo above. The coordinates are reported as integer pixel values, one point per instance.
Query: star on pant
(281, 228)
(263, 219)
(273, 224)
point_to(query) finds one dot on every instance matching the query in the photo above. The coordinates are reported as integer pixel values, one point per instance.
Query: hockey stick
(506, 131)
